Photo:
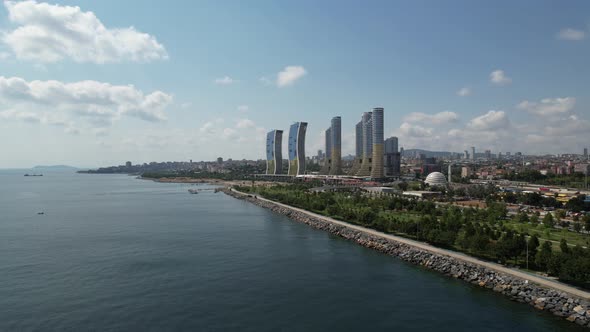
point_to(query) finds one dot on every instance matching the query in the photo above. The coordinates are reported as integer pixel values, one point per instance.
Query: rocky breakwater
(558, 303)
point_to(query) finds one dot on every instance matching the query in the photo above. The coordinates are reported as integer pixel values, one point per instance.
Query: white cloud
(407, 129)
(243, 108)
(186, 105)
(289, 75)
(207, 128)
(50, 33)
(571, 34)
(24, 116)
(229, 133)
(548, 106)
(492, 120)
(4, 55)
(498, 77)
(245, 123)
(98, 103)
(438, 118)
(225, 80)
(464, 92)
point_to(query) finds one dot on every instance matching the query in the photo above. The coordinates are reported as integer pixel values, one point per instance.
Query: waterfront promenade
(544, 282)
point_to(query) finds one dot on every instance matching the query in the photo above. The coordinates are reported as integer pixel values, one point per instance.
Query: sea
(82, 252)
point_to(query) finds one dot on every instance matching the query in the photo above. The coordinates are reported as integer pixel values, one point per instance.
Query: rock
(571, 318)
(579, 310)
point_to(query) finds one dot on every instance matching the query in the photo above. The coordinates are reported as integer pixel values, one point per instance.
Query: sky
(97, 83)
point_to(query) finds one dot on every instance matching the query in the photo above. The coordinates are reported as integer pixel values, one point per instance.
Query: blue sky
(205, 80)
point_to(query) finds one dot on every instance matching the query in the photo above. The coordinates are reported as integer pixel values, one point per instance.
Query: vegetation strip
(561, 300)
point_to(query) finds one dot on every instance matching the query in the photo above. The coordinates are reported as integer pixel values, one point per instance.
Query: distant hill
(429, 154)
(55, 167)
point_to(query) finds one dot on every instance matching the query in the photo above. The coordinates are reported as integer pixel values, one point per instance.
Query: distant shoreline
(225, 183)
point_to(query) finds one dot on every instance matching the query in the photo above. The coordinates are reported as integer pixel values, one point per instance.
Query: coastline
(195, 181)
(543, 294)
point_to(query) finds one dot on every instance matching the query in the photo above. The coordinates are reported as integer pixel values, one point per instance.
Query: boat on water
(33, 174)
(193, 191)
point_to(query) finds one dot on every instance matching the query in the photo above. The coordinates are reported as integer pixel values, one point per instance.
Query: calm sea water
(113, 253)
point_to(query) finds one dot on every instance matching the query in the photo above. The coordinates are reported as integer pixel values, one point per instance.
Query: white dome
(436, 179)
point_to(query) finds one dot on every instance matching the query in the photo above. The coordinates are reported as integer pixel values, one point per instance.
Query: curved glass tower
(367, 144)
(377, 171)
(297, 148)
(274, 153)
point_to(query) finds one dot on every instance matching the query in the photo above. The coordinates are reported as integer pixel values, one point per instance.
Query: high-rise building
(297, 148)
(367, 121)
(473, 153)
(328, 142)
(328, 156)
(585, 153)
(359, 139)
(391, 145)
(465, 154)
(488, 154)
(358, 135)
(274, 154)
(377, 170)
(336, 167)
(392, 157)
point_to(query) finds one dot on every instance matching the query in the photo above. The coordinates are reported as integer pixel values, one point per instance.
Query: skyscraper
(328, 156)
(336, 168)
(585, 153)
(365, 169)
(392, 157)
(359, 139)
(473, 153)
(274, 154)
(391, 145)
(358, 135)
(377, 120)
(297, 148)
(328, 142)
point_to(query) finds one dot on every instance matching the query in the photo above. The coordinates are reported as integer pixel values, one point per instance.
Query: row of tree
(478, 232)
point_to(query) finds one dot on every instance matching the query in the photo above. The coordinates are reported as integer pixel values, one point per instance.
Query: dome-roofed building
(436, 179)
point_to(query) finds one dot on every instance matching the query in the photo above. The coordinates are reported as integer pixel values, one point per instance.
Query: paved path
(493, 266)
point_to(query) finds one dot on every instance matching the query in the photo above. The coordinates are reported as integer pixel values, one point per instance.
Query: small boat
(193, 191)
(40, 212)
(33, 174)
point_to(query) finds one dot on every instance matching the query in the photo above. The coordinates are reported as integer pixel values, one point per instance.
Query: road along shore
(544, 294)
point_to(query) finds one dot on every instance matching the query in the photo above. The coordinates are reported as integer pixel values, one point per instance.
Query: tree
(577, 227)
(534, 219)
(403, 186)
(543, 257)
(533, 244)
(564, 247)
(523, 217)
(548, 220)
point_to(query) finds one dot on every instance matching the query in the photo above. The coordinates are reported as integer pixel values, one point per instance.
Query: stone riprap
(558, 303)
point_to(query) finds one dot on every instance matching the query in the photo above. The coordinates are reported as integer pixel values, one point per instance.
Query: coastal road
(460, 256)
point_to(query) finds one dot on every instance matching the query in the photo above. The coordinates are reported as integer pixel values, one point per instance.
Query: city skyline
(155, 89)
